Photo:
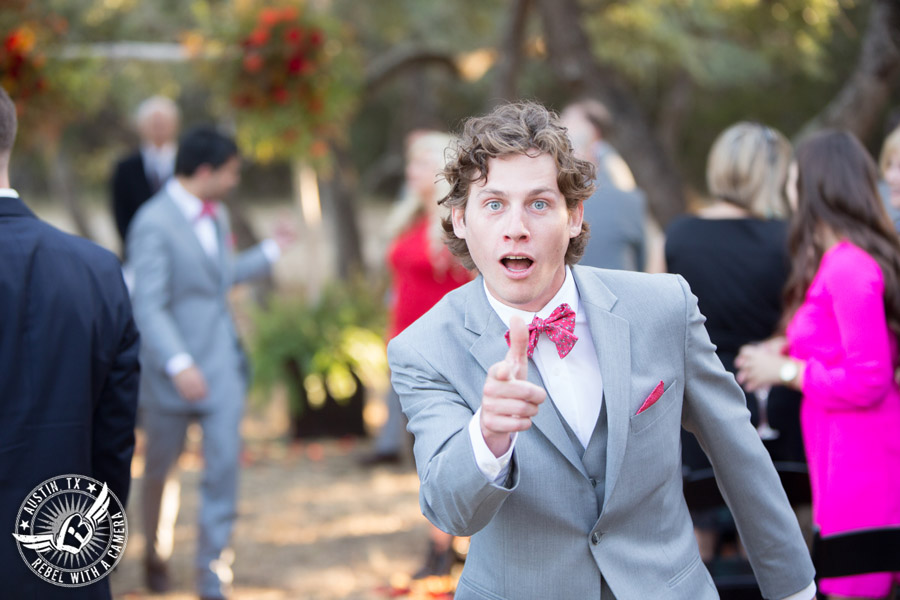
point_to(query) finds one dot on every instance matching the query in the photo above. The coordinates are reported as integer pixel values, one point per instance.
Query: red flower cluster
(281, 56)
(20, 67)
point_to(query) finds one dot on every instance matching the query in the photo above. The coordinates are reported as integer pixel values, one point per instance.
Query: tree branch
(402, 58)
(579, 70)
(506, 72)
(859, 103)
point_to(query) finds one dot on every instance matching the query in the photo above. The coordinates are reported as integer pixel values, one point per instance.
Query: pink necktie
(558, 327)
(209, 210)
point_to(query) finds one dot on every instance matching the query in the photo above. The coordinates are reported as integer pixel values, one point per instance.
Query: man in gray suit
(179, 245)
(617, 210)
(560, 452)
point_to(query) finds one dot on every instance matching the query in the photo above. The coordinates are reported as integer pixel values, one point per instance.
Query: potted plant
(326, 353)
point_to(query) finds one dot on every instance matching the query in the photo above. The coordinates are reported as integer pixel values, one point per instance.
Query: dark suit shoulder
(71, 246)
(131, 161)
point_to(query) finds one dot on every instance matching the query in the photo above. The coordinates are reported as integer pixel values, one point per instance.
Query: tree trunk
(506, 72)
(340, 205)
(63, 187)
(859, 104)
(675, 104)
(632, 134)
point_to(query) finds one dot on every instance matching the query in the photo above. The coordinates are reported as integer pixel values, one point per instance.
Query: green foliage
(719, 43)
(321, 345)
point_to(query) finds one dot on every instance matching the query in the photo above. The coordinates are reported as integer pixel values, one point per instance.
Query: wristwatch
(788, 372)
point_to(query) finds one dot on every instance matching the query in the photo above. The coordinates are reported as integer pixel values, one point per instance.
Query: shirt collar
(188, 203)
(568, 294)
(8, 193)
(166, 151)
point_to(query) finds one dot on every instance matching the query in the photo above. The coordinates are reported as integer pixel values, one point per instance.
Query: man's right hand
(509, 400)
(191, 384)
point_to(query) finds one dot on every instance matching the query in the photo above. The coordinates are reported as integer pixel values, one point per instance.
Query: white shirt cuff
(494, 468)
(271, 249)
(178, 363)
(807, 593)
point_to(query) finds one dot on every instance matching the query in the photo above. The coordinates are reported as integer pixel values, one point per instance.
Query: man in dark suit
(68, 369)
(142, 173)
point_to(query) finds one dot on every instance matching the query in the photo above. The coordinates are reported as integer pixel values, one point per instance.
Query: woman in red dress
(422, 271)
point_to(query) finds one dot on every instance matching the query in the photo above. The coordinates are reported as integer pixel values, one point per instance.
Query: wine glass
(764, 430)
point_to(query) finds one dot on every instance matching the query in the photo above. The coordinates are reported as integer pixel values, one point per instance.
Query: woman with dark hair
(842, 324)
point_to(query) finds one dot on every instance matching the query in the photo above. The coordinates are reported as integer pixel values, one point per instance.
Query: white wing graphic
(98, 509)
(41, 542)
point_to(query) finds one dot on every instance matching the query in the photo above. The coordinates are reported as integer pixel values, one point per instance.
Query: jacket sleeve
(715, 412)
(151, 259)
(454, 494)
(863, 372)
(252, 263)
(115, 409)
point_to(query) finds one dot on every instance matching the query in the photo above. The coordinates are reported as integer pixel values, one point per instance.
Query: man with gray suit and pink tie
(556, 446)
(194, 368)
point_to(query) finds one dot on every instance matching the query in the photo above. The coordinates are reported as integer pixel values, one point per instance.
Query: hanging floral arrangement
(23, 62)
(292, 83)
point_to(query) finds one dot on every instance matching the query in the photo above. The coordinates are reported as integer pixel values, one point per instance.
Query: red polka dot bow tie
(558, 327)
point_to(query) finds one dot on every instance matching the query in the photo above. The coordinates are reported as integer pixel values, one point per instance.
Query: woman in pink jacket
(841, 345)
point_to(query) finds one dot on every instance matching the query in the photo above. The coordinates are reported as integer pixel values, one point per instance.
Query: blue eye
(494, 205)
(540, 204)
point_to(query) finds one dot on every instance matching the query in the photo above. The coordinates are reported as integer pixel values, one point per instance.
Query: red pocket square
(652, 398)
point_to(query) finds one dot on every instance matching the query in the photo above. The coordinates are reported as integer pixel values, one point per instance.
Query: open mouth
(517, 264)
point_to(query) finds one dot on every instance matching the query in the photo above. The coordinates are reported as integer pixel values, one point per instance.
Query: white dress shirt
(574, 383)
(205, 229)
(8, 193)
(159, 163)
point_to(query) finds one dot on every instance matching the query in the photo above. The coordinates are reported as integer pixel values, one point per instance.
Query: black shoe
(380, 458)
(437, 563)
(157, 578)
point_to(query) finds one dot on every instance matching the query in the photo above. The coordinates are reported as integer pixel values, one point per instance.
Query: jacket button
(595, 538)
(594, 482)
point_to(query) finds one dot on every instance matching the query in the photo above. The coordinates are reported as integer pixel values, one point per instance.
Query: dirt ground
(313, 524)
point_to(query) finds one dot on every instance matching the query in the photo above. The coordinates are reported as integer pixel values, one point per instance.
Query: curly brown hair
(515, 128)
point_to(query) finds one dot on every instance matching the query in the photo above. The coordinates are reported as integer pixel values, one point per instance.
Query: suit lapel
(191, 240)
(611, 336)
(490, 348)
(222, 262)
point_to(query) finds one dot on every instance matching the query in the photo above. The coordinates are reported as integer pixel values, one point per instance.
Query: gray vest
(594, 456)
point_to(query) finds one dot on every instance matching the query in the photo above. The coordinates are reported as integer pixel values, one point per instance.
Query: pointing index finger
(517, 355)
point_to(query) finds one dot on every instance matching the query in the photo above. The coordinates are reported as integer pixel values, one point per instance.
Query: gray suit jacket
(543, 534)
(617, 219)
(181, 305)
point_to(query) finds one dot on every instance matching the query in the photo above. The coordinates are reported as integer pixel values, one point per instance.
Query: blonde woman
(734, 255)
(422, 271)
